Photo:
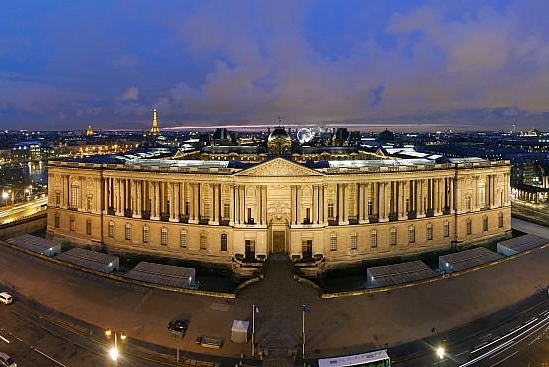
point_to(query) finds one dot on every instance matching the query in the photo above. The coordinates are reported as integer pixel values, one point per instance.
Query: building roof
(173, 276)
(469, 258)
(407, 272)
(88, 259)
(524, 243)
(32, 243)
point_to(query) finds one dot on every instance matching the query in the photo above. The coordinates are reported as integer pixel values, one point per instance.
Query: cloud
(130, 94)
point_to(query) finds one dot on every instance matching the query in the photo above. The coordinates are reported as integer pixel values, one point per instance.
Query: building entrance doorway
(278, 236)
(279, 241)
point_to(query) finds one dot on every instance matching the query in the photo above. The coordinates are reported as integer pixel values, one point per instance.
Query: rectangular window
(446, 229)
(88, 227)
(203, 242)
(333, 242)
(331, 211)
(429, 231)
(57, 199)
(187, 208)
(373, 239)
(485, 224)
(183, 239)
(393, 237)
(128, 232)
(500, 220)
(56, 220)
(164, 237)
(89, 203)
(224, 242)
(370, 208)
(145, 234)
(206, 210)
(250, 218)
(226, 211)
(468, 203)
(354, 241)
(412, 234)
(469, 227)
(72, 223)
(111, 229)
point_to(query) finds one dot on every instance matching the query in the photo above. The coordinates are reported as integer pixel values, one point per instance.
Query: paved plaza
(333, 326)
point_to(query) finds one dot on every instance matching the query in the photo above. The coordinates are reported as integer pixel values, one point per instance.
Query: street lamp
(440, 354)
(113, 351)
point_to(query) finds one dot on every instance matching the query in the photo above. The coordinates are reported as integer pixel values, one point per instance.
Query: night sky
(405, 65)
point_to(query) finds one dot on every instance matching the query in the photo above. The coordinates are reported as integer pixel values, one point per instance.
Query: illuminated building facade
(322, 214)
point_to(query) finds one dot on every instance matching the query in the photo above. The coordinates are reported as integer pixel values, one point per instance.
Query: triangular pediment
(279, 167)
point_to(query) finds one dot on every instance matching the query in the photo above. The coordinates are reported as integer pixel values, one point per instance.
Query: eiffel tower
(154, 128)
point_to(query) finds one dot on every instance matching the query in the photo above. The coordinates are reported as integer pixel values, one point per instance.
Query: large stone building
(322, 213)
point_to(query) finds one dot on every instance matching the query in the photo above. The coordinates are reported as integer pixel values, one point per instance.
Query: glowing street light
(440, 354)
(113, 352)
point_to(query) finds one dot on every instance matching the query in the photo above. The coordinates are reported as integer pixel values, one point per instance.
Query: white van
(6, 298)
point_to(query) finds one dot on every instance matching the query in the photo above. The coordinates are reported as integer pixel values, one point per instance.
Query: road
(15, 212)
(35, 340)
(396, 317)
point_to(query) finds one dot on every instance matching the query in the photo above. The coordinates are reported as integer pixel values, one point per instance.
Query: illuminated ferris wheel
(304, 135)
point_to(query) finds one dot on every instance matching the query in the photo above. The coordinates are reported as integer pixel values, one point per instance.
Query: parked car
(6, 298)
(6, 360)
(178, 326)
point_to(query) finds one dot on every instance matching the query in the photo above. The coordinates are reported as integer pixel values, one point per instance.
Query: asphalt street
(333, 326)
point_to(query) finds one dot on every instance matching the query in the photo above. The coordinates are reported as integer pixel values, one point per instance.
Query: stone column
(264, 204)
(242, 203)
(323, 206)
(314, 205)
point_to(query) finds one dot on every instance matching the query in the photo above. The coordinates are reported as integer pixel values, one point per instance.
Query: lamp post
(114, 353)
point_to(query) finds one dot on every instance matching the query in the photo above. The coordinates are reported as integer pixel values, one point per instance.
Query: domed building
(279, 142)
(386, 136)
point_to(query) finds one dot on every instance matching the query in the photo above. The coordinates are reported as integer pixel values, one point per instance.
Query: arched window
(145, 234)
(111, 229)
(333, 241)
(203, 240)
(429, 231)
(128, 232)
(373, 238)
(75, 195)
(446, 229)
(393, 236)
(354, 241)
(411, 234)
(183, 238)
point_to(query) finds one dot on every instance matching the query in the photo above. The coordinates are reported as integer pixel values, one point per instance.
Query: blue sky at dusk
(412, 65)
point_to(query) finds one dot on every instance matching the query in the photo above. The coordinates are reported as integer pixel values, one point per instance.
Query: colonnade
(344, 203)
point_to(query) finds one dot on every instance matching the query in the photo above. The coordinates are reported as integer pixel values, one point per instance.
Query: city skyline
(400, 65)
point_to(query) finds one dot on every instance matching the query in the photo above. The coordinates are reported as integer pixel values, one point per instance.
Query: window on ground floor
(111, 229)
(373, 238)
(145, 234)
(128, 232)
(224, 241)
(354, 241)
(333, 242)
(393, 237)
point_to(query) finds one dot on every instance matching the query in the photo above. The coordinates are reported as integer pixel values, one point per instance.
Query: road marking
(504, 336)
(542, 322)
(462, 353)
(48, 357)
(504, 359)
(4, 339)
